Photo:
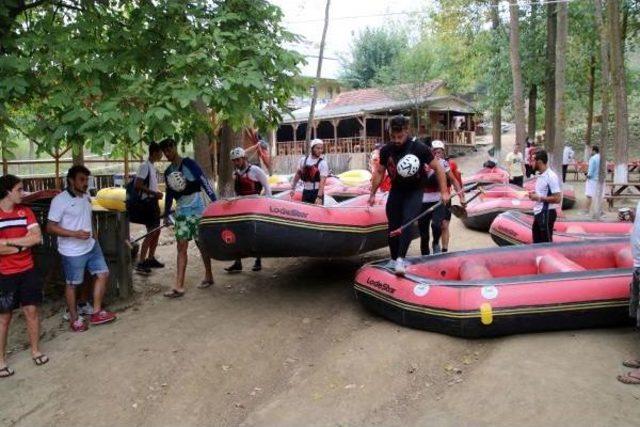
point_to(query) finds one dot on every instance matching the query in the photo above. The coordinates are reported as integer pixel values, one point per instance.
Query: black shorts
(20, 289)
(443, 213)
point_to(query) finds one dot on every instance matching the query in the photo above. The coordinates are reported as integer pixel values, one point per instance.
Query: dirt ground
(290, 346)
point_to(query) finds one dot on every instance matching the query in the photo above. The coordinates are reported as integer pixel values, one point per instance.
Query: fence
(338, 163)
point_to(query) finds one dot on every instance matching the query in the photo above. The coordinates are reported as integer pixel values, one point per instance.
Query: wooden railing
(456, 137)
(341, 145)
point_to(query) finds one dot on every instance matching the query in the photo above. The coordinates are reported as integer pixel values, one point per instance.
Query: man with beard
(548, 197)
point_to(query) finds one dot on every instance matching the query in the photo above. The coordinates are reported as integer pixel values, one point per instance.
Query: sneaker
(436, 249)
(257, 266)
(79, 325)
(143, 268)
(154, 263)
(66, 316)
(400, 269)
(85, 309)
(391, 264)
(236, 267)
(101, 317)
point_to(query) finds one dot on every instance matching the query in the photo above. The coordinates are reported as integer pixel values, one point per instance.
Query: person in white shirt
(313, 172)
(591, 185)
(70, 220)
(633, 377)
(144, 208)
(548, 197)
(249, 180)
(515, 164)
(567, 158)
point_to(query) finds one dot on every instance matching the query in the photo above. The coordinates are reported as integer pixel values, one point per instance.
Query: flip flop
(41, 360)
(631, 363)
(6, 372)
(173, 293)
(205, 284)
(628, 379)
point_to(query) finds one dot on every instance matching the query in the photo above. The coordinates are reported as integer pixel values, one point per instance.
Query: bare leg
(144, 249)
(208, 273)
(99, 288)
(70, 296)
(33, 328)
(5, 320)
(445, 234)
(588, 203)
(85, 291)
(181, 269)
(153, 244)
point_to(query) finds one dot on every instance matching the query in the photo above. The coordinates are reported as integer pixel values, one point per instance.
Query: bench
(617, 192)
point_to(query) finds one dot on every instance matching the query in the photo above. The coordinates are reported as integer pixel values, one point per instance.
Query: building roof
(383, 100)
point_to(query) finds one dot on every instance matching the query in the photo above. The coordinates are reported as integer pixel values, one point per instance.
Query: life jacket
(455, 171)
(244, 185)
(311, 173)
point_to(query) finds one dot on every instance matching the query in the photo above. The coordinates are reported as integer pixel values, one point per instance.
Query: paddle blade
(459, 211)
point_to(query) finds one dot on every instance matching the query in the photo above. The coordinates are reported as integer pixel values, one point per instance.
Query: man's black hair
(7, 182)
(166, 143)
(595, 149)
(398, 123)
(542, 156)
(77, 169)
(154, 147)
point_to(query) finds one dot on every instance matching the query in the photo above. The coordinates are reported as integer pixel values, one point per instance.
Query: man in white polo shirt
(70, 220)
(548, 197)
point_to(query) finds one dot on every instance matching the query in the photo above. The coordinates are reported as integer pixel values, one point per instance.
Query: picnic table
(619, 191)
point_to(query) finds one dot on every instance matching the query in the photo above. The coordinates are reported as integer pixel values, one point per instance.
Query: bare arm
(442, 179)
(294, 183)
(323, 180)
(376, 179)
(456, 185)
(56, 230)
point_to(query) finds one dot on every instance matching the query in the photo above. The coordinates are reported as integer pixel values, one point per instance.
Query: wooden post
(382, 129)
(5, 165)
(125, 179)
(57, 163)
(295, 131)
(364, 130)
(335, 123)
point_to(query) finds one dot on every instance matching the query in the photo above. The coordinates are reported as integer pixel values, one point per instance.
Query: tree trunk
(77, 155)
(555, 158)
(32, 154)
(618, 81)
(533, 106)
(596, 203)
(592, 90)
(314, 97)
(496, 109)
(202, 145)
(550, 83)
(229, 139)
(516, 72)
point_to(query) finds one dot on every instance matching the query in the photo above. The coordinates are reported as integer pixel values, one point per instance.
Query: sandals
(631, 363)
(41, 360)
(173, 293)
(205, 284)
(628, 378)
(6, 372)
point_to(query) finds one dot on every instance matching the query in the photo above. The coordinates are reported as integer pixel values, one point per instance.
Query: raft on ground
(495, 175)
(500, 291)
(568, 193)
(494, 200)
(257, 226)
(514, 228)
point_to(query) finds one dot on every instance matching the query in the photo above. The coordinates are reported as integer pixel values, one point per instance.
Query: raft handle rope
(457, 210)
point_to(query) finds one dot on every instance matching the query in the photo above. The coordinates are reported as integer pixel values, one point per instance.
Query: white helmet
(315, 142)
(237, 153)
(176, 181)
(408, 166)
(435, 144)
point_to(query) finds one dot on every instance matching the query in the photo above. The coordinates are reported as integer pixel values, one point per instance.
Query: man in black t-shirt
(405, 160)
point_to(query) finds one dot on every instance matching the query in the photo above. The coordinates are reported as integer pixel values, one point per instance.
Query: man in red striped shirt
(20, 285)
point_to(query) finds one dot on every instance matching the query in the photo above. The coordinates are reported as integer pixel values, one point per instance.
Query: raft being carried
(270, 227)
(491, 292)
(514, 228)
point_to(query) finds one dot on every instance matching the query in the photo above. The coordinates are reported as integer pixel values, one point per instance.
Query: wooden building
(354, 121)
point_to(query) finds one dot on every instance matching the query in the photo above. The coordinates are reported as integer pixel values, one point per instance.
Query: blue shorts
(74, 266)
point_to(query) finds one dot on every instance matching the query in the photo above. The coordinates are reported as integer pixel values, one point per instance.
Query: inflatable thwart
(514, 228)
(499, 291)
(256, 226)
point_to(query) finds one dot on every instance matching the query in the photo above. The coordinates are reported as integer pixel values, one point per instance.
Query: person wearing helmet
(405, 160)
(185, 181)
(442, 215)
(249, 180)
(313, 172)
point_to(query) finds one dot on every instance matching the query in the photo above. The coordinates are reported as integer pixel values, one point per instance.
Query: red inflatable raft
(514, 228)
(496, 199)
(568, 193)
(257, 226)
(490, 292)
(334, 187)
(488, 176)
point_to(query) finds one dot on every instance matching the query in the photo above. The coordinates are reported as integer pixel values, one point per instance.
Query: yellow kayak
(355, 177)
(279, 179)
(113, 198)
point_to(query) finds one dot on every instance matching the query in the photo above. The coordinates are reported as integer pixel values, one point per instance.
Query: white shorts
(590, 188)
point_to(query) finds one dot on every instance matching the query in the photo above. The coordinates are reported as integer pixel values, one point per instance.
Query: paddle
(130, 243)
(460, 211)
